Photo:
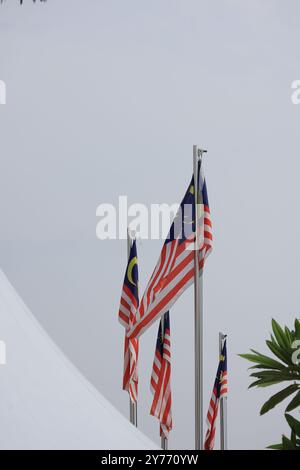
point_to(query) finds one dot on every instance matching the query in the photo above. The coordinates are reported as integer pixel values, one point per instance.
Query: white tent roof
(45, 403)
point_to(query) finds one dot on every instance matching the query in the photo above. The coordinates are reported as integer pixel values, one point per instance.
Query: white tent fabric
(45, 403)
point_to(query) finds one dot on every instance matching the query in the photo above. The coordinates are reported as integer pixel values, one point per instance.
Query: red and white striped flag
(219, 391)
(128, 307)
(161, 378)
(174, 272)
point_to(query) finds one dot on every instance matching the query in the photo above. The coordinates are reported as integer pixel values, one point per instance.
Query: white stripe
(126, 298)
(157, 361)
(123, 323)
(124, 310)
(154, 376)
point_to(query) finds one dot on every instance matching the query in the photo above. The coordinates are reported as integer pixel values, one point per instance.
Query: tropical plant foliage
(284, 344)
(294, 442)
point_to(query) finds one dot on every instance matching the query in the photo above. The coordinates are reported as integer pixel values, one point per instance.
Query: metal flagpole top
(131, 234)
(198, 152)
(222, 335)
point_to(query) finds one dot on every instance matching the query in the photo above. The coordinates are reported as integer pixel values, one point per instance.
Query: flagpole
(198, 320)
(163, 439)
(132, 405)
(164, 442)
(223, 405)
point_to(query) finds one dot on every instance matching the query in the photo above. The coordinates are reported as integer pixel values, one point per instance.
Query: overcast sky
(106, 98)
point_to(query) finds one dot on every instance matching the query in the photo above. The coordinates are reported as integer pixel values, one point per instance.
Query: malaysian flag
(128, 306)
(219, 391)
(174, 271)
(161, 378)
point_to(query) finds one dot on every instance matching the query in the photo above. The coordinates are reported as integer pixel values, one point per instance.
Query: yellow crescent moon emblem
(131, 265)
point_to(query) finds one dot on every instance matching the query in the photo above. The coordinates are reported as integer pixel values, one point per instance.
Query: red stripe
(156, 369)
(123, 317)
(125, 304)
(208, 235)
(153, 383)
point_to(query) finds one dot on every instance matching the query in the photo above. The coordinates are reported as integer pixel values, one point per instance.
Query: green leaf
(288, 334)
(279, 352)
(293, 423)
(264, 383)
(275, 447)
(297, 328)
(261, 366)
(294, 403)
(276, 375)
(262, 360)
(287, 444)
(293, 437)
(280, 336)
(278, 398)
